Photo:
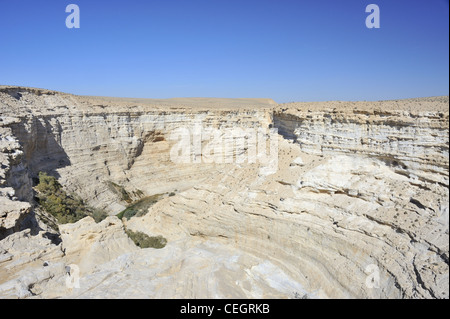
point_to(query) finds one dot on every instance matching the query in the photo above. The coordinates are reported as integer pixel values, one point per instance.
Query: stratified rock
(88, 244)
(12, 213)
(21, 263)
(357, 206)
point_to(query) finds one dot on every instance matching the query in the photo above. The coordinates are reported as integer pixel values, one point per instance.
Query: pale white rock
(89, 244)
(370, 192)
(12, 213)
(215, 269)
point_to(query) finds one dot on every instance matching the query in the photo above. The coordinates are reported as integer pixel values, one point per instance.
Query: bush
(98, 214)
(120, 191)
(127, 213)
(65, 208)
(139, 208)
(144, 241)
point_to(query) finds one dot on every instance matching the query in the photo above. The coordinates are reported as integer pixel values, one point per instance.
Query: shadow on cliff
(42, 152)
(284, 126)
(41, 144)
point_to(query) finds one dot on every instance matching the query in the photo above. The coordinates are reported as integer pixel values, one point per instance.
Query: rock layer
(357, 207)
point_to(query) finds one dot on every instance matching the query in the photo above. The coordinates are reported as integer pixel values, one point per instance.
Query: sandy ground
(423, 104)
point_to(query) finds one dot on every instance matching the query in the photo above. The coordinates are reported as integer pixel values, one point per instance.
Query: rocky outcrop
(15, 183)
(35, 265)
(25, 261)
(414, 143)
(357, 206)
(88, 244)
(12, 214)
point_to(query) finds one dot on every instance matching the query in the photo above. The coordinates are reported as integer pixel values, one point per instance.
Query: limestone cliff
(360, 193)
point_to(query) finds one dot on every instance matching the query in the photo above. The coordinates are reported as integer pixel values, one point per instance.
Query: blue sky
(288, 50)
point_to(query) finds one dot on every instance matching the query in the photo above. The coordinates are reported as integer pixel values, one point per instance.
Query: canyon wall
(88, 143)
(357, 205)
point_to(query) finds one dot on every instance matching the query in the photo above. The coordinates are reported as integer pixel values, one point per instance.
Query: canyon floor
(255, 199)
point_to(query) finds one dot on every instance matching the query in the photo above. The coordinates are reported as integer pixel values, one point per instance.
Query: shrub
(98, 215)
(139, 208)
(65, 208)
(119, 190)
(144, 241)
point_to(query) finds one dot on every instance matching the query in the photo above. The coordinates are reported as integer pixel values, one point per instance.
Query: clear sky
(288, 50)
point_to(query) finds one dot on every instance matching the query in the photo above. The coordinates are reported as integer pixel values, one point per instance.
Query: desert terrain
(343, 200)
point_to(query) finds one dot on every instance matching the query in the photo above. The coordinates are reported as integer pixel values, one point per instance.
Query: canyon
(353, 204)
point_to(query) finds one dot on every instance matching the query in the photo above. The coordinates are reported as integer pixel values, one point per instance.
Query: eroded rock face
(15, 183)
(414, 143)
(12, 213)
(350, 213)
(357, 207)
(90, 142)
(22, 259)
(88, 244)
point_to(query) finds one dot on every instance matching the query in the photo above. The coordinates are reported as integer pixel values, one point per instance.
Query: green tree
(64, 207)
